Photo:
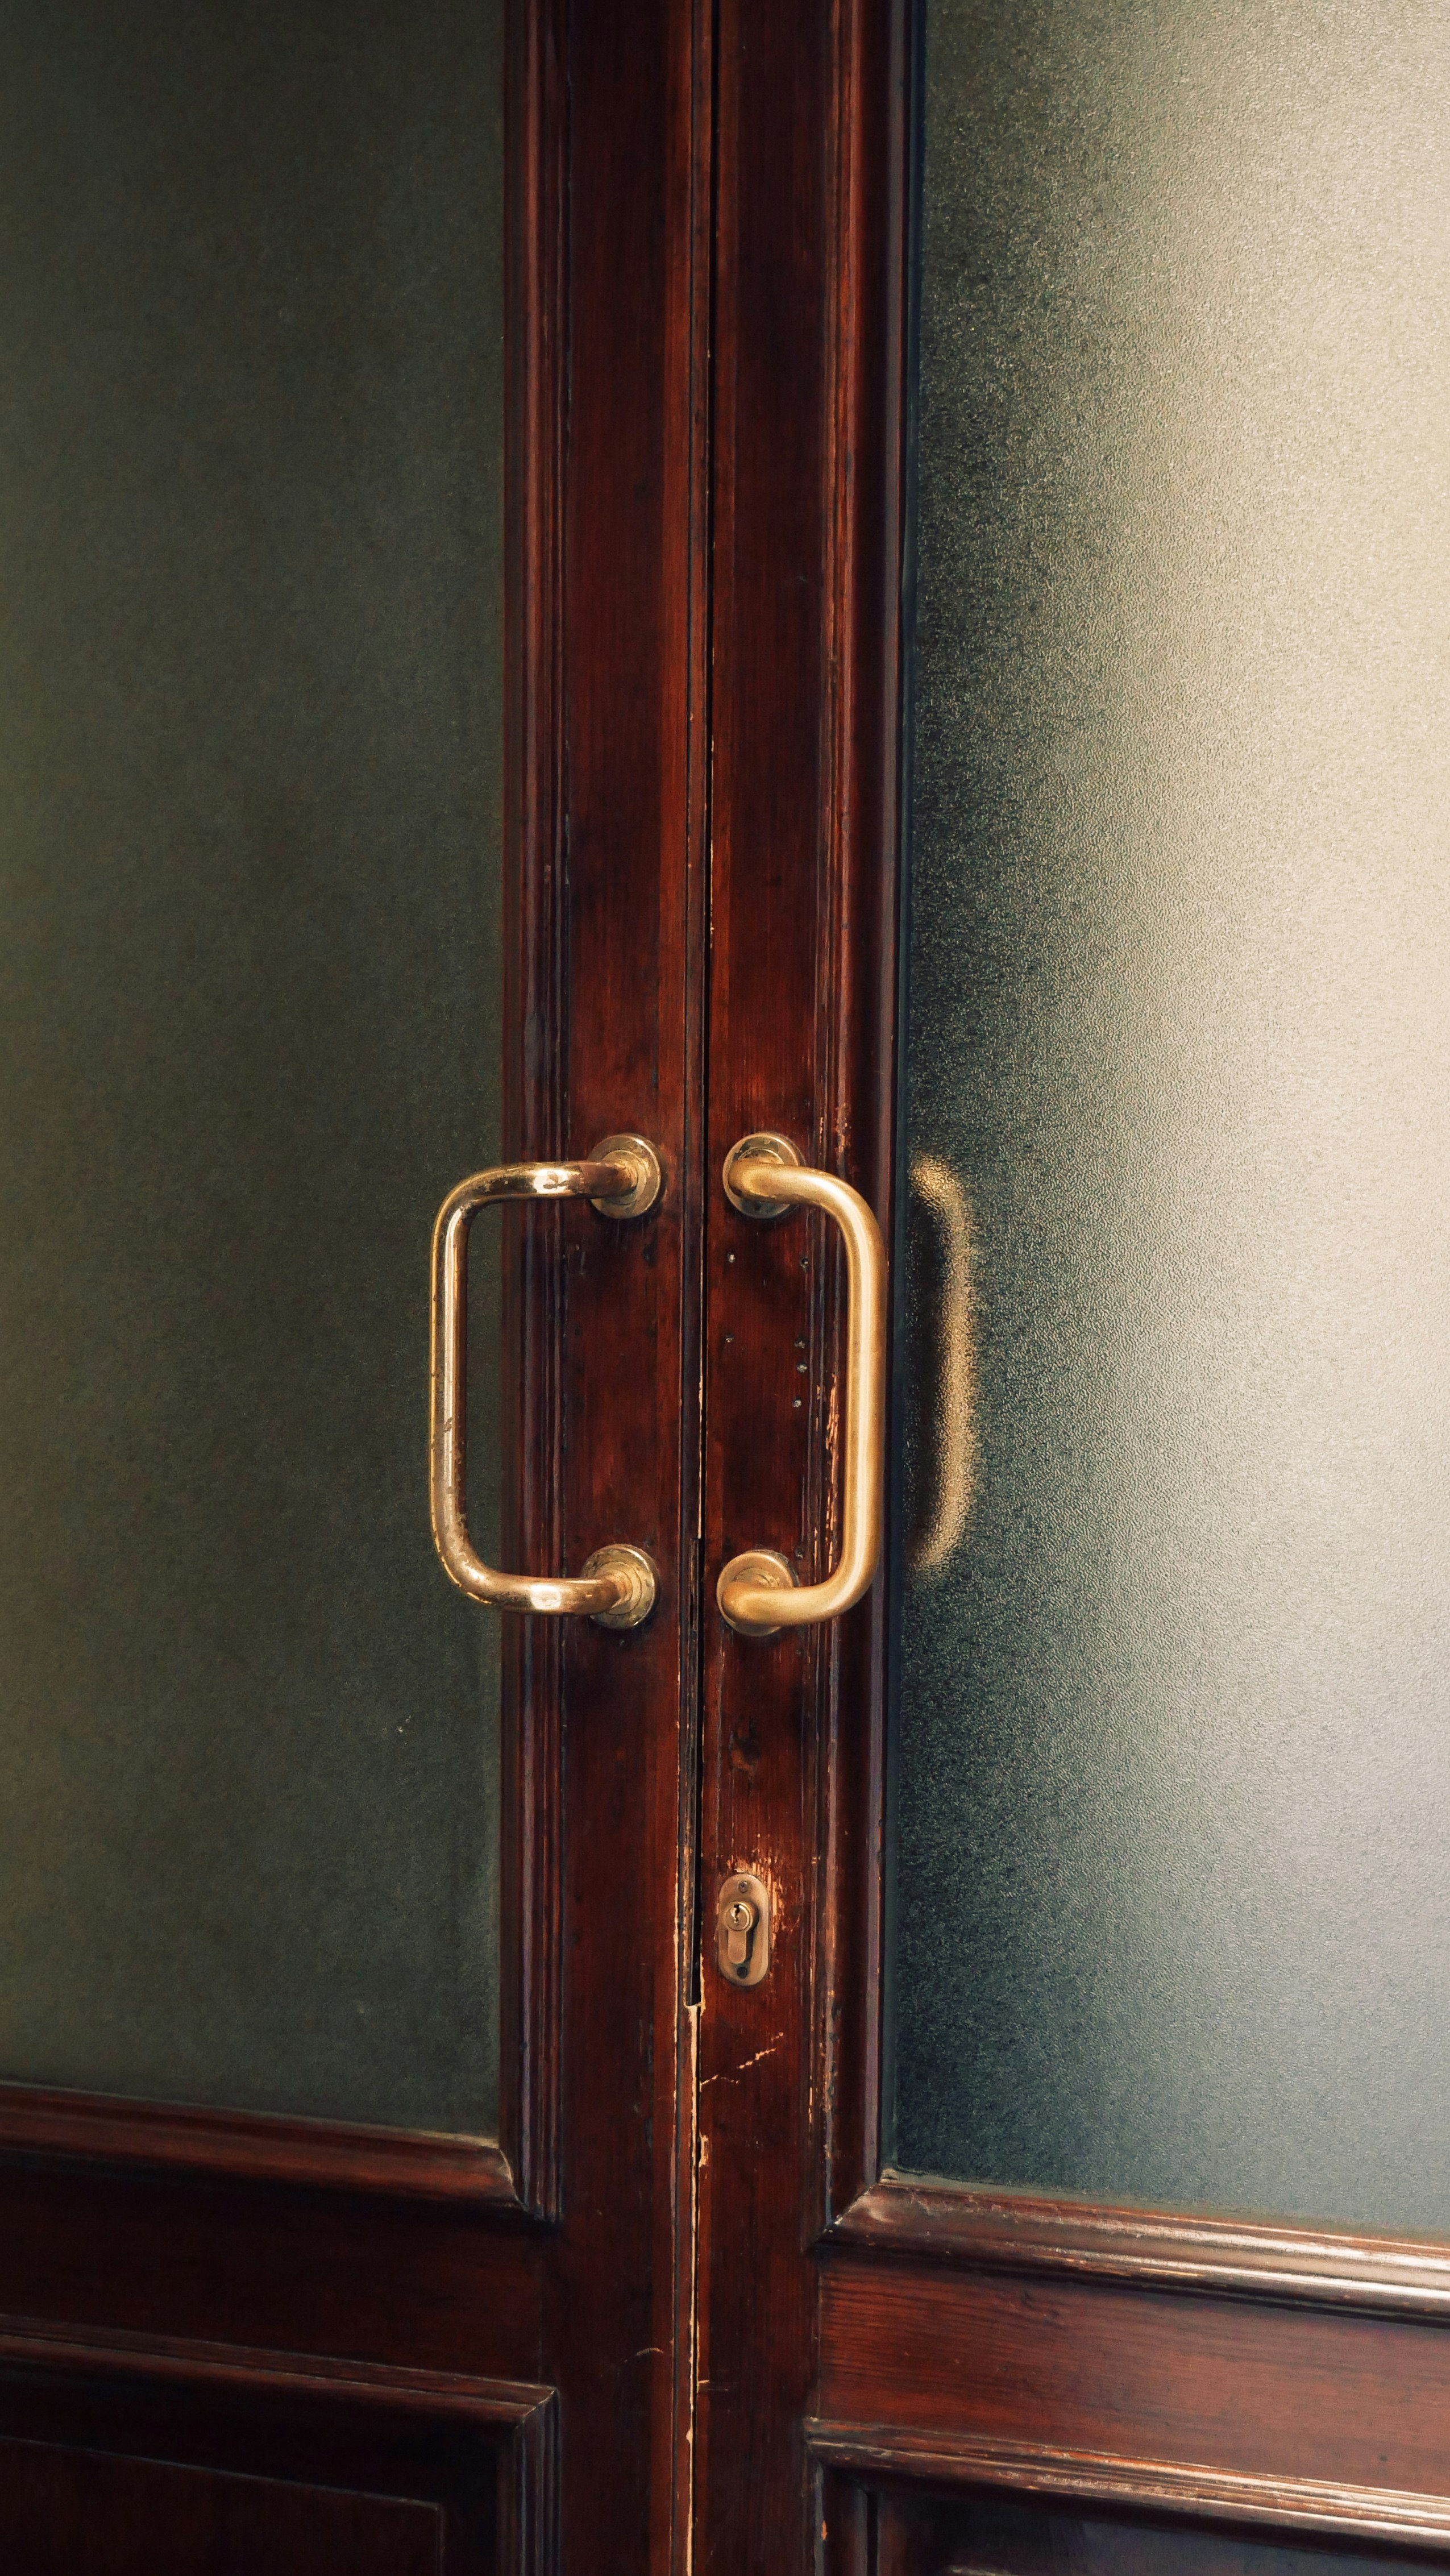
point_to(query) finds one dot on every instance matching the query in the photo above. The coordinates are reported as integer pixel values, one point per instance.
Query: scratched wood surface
(552, 2261)
(863, 2342)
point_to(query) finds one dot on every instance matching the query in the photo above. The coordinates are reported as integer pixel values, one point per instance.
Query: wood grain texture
(936, 2337)
(858, 1002)
(1026, 2469)
(183, 2454)
(256, 2145)
(767, 1287)
(950, 2223)
(554, 2259)
(273, 2266)
(946, 2357)
(60, 2510)
(807, 512)
(631, 866)
(33, 2353)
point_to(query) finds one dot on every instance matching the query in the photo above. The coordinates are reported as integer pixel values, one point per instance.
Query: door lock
(742, 1929)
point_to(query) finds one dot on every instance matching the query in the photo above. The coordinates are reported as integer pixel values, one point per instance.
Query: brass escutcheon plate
(638, 1571)
(640, 1154)
(742, 1928)
(763, 1147)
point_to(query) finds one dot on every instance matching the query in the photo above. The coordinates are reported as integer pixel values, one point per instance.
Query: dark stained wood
(912, 2213)
(654, 2326)
(857, 1002)
(103, 2130)
(685, 878)
(943, 2361)
(861, 2334)
(1369, 2515)
(60, 2510)
(927, 2536)
(555, 2260)
(264, 2265)
(846, 2517)
(807, 517)
(187, 2455)
(766, 1292)
(618, 2272)
(34, 2354)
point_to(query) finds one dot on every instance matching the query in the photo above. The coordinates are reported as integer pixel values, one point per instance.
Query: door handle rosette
(758, 1593)
(617, 1586)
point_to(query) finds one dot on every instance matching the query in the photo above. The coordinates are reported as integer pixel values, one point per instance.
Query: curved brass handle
(758, 1592)
(618, 1585)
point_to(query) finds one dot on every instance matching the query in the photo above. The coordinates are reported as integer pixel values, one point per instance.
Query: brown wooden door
(1073, 2188)
(351, 819)
(693, 571)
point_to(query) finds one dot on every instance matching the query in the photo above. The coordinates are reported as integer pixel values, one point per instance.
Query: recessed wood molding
(254, 2146)
(952, 2355)
(877, 2452)
(906, 2214)
(373, 2429)
(453, 2396)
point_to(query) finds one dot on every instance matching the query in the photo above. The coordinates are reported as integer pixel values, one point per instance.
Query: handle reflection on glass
(617, 1587)
(758, 1592)
(952, 1406)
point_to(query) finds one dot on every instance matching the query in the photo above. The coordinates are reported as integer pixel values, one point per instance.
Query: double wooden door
(584, 580)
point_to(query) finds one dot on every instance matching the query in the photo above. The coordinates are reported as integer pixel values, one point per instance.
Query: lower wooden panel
(1378, 2515)
(1340, 2419)
(889, 2533)
(61, 2511)
(153, 2257)
(208, 2461)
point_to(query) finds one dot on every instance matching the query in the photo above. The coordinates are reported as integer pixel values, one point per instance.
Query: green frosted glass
(1171, 1802)
(250, 643)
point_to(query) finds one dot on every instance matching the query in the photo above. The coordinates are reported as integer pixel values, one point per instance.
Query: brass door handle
(618, 1585)
(758, 1592)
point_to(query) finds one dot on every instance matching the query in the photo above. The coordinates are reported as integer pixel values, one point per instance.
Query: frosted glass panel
(1172, 1790)
(250, 640)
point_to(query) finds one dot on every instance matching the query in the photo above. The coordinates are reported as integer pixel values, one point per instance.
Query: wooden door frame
(707, 247)
(862, 2331)
(292, 2289)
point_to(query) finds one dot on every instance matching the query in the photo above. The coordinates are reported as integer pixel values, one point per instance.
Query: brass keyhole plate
(742, 1928)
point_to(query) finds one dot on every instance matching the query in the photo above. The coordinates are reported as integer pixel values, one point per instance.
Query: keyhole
(739, 1922)
(742, 1929)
